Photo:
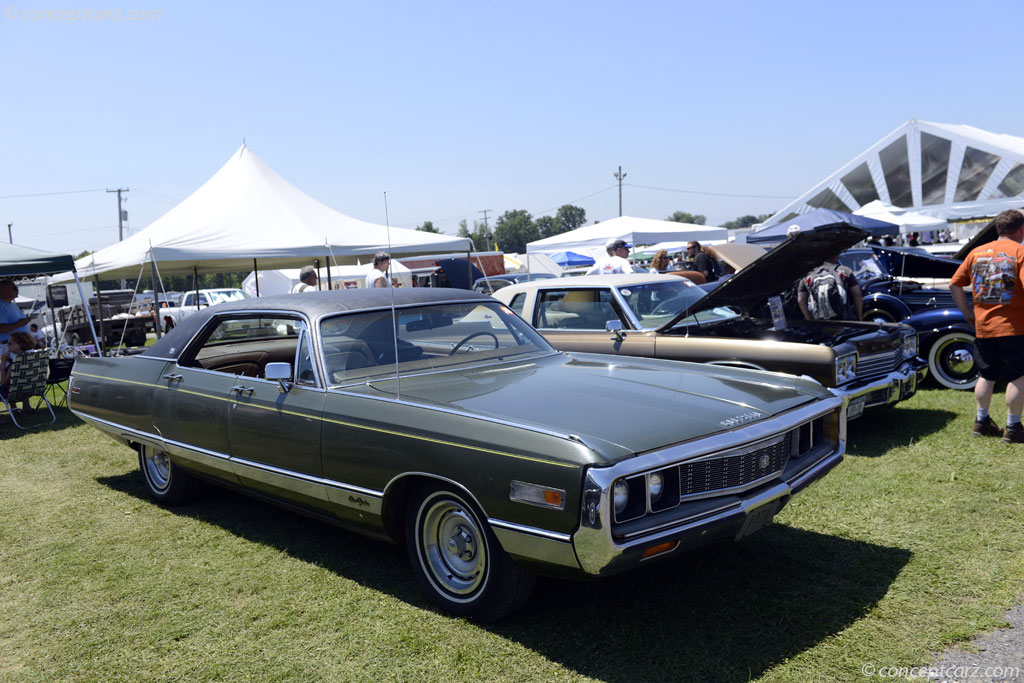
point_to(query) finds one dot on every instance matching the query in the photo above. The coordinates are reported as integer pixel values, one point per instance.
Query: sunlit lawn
(914, 542)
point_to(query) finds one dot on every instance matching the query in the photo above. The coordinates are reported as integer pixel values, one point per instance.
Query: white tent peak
(246, 211)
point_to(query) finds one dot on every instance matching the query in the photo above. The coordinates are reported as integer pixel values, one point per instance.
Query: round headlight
(655, 484)
(620, 495)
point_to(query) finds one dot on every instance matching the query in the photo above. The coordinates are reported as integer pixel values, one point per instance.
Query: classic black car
(897, 283)
(660, 316)
(447, 423)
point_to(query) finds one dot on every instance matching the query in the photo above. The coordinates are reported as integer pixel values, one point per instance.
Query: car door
(575, 319)
(274, 429)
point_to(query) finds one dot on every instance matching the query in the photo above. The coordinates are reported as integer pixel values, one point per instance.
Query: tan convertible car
(663, 316)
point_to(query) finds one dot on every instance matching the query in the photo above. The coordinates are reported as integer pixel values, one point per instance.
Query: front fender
(935, 322)
(887, 302)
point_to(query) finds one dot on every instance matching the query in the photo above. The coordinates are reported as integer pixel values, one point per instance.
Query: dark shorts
(1000, 357)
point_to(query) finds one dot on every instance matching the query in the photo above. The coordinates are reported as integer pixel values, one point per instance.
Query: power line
(714, 194)
(49, 194)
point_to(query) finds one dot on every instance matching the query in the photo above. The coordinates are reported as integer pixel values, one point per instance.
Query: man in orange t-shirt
(994, 272)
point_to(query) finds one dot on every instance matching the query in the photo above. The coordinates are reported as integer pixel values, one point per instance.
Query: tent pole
(88, 316)
(328, 262)
(99, 311)
(256, 275)
(316, 264)
(53, 317)
(156, 296)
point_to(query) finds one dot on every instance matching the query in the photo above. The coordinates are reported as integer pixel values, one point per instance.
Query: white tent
(636, 231)
(281, 281)
(909, 221)
(532, 263)
(948, 171)
(247, 212)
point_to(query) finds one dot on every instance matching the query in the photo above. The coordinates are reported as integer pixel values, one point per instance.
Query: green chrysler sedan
(439, 419)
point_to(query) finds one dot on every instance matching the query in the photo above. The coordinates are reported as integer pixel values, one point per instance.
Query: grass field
(914, 542)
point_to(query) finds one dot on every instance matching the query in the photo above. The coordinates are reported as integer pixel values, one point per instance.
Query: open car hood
(910, 264)
(777, 270)
(984, 236)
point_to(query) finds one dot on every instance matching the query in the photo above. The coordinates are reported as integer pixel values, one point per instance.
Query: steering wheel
(458, 346)
(666, 306)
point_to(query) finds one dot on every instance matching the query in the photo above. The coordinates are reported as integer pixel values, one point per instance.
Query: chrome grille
(715, 474)
(879, 363)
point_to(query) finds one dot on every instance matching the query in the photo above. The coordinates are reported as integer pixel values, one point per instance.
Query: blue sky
(456, 107)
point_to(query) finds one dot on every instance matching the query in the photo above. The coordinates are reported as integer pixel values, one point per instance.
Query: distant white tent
(634, 230)
(247, 212)
(281, 281)
(531, 263)
(946, 171)
(909, 221)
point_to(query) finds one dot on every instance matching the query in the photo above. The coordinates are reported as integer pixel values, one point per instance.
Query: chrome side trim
(529, 547)
(530, 530)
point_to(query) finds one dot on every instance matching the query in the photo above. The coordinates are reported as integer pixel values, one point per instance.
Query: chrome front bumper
(884, 390)
(601, 553)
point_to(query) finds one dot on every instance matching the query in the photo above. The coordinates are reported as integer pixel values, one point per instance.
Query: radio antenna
(394, 315)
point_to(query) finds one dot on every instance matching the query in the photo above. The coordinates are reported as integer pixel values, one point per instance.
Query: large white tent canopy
(944, 171)
(634, 230)
(281, 281)
(246, 211)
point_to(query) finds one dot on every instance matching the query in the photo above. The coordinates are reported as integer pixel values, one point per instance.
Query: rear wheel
(951, 361)
(166, 482)
(457, 558)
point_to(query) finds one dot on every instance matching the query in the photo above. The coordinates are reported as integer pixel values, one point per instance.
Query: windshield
(224, 295)
(361, 345)
(657, 303)
(863, 264)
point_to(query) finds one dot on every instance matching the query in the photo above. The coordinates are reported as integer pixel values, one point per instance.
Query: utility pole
(10, 238)
(120, 213)
(619, 176)
(487, 229)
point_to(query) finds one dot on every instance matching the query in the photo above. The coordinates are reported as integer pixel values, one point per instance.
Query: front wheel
(951, 361)
(458, 561)
(166, 482)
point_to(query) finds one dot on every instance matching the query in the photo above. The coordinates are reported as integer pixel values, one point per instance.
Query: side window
(518, 301)
(243, 345)
(575, 309)
(202, 300)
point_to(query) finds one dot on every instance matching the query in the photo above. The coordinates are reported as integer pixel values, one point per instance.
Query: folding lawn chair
(28, 379)
(60, 372)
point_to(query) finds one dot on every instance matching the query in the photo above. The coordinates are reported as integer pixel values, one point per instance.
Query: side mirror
(281, 373)
(615, 327)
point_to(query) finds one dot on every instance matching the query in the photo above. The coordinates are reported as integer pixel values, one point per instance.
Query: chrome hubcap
(960, 361)
(158, 468)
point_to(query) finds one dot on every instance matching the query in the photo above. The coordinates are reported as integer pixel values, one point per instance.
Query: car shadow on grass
(725, 613)
(881, 429)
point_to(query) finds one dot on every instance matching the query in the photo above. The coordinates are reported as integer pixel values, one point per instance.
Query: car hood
(909, 264)
(777, 270)
(633, 404)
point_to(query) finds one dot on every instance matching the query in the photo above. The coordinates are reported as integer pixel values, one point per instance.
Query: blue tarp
(820, 218)
(570, 259)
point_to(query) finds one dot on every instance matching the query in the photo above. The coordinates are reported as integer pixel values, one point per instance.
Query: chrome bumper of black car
(604, 547)
(883, 390)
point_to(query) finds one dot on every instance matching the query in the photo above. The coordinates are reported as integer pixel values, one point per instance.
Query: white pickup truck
(194, 301)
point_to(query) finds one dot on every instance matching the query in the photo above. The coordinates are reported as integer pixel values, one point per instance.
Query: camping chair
(28, 379)
(60, 372)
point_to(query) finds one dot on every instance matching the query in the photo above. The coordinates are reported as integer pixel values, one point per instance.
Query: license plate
(856, 408)
(759, 518)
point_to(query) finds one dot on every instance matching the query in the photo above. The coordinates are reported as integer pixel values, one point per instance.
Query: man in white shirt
(307, 280)
(378, 277)
(615, 262)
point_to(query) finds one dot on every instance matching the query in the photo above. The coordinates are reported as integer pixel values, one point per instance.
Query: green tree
(428, 226)
(746, 221)
(514, 229)
(570, 217)
(481, 235)
(683, 217)
(548, 226)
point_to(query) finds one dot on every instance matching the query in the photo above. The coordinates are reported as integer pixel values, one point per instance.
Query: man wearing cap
(615, 262)
(307, 280)
(11, 317)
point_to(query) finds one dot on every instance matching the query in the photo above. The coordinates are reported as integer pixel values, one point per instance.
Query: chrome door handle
(171, 377)
(239, 389)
